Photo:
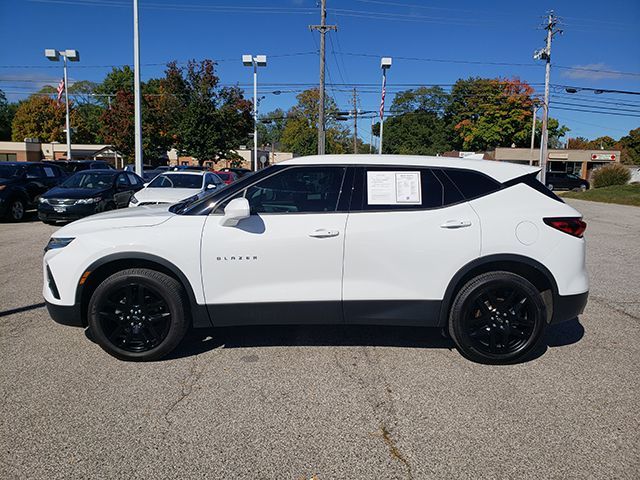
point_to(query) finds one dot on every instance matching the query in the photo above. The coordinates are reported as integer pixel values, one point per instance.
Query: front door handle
(456, 224)
(322, 233)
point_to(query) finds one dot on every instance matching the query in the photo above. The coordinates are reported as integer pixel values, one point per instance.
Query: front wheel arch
(534, 271)
(106, 266)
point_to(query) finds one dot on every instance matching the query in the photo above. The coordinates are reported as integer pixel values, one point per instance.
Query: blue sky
(467, 38)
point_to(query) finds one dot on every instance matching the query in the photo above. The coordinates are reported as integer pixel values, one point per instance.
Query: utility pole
(545, 54)
(355, 122)
(136, 91)
(323, 28)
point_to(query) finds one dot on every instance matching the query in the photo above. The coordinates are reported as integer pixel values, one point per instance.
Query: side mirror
(236, 210)
(210, 186)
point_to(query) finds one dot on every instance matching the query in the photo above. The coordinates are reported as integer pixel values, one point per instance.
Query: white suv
(475, 247)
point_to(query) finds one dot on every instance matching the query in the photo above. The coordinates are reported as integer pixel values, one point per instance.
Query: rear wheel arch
(526, 267)
(103, 268)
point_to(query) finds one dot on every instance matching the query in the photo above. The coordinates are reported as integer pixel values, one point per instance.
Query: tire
(109, 206)
(16, 210)
(583, 188)
(497, 318)
(138, 314)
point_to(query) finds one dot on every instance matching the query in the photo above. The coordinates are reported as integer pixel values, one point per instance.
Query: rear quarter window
(472, 184)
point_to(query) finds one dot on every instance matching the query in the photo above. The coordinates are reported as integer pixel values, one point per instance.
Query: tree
(578, 143)
(117, 80)
(216, 120)
(630, 147)
(86, 123)
(7, 112)
(488, 113)
(417, 125)
(39, 117)
(300, 134)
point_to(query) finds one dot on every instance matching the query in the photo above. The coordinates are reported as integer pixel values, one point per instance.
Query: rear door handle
(456, 224)
(323, 233)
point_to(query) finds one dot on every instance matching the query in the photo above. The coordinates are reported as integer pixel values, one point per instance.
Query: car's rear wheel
(16, 210)
(497, 317)
(138, 314)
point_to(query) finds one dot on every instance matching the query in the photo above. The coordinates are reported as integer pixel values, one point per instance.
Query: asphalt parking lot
(329, 402)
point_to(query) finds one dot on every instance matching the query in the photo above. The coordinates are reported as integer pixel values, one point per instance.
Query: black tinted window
(297, 190)
(35, 171)
(472, 184)
(432, 191)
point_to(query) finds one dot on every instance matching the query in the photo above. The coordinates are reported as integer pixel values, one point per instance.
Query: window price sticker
(394, 188)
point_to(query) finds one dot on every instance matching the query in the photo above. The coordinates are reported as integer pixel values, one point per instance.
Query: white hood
(123, 218)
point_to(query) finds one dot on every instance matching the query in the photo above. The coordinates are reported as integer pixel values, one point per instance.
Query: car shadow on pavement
(203, 340)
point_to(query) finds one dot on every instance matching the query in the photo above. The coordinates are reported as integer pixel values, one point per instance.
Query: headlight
(43, 200)
(89, 200)
(134, 200)
(57, 243)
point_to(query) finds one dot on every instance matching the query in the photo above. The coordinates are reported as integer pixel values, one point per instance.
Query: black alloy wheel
(497, 317)
(138, 314)
(134, 317)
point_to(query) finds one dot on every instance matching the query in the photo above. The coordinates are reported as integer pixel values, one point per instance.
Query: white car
(480, 249)
(172, 187)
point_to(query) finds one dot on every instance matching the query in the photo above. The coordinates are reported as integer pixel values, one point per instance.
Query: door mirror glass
(236, 210)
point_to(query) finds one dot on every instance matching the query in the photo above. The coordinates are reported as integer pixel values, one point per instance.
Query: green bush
(612, 174)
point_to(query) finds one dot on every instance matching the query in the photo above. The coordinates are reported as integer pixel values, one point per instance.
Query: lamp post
(73, 56)
(385, 64)
(255, 62)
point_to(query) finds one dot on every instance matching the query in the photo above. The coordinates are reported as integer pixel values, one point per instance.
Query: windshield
(177, 180)
(8, 171)
(90, 180)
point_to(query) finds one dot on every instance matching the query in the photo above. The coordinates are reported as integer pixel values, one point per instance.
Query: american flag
(384, 92)
(60, 89)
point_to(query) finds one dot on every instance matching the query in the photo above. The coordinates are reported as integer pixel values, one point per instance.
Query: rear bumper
(65, 314)
(568, 307)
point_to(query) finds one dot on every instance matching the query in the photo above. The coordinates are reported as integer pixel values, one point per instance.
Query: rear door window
(390, 188)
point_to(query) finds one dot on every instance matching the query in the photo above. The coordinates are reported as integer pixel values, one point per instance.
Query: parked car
(480, 249)
(74, 166)
(565, 181)
(171, 187)
(227, 177)
(22, 183)
(240, 172)
(88, 192)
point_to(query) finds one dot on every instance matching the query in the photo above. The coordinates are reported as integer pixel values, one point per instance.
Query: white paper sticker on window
(394, 188)
(408, 188)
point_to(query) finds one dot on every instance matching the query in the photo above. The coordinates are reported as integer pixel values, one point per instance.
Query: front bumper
(65, 314)
(568, 307)
(48, 213)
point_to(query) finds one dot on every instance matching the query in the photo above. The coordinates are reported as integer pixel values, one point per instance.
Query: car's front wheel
(138, 314)
(497, 317)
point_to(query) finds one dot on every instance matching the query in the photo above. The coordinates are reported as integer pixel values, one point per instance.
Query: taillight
(571, 225)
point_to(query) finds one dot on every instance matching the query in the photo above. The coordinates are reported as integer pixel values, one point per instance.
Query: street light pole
(73, 56)
(385, 64)
(136, 92)
(257, 61)
(66, 101)
(533, 133)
